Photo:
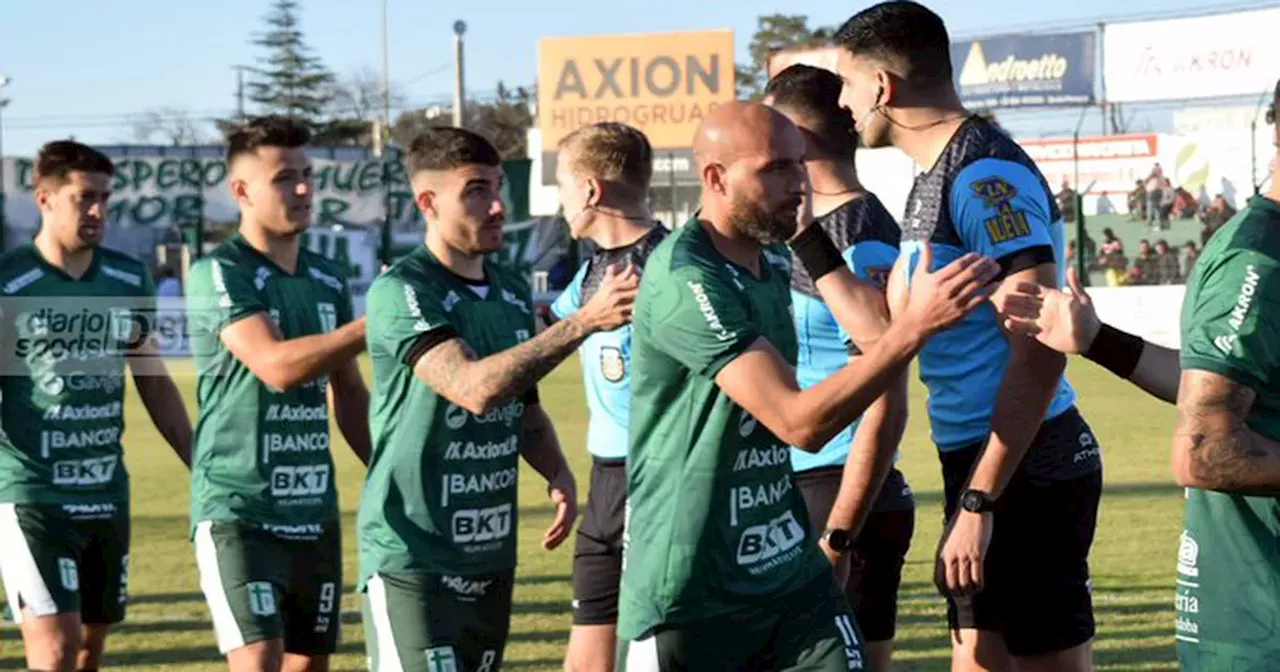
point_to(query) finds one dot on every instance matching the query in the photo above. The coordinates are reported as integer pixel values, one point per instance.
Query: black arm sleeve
(427, 341)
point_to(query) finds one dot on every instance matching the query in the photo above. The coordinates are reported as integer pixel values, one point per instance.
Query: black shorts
(1037, 592)
(272, 583)
(807, 630)
(597, 553)
(66, 559)
(878, 553)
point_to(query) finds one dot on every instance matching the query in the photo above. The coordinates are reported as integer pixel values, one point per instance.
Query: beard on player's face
(762, 224)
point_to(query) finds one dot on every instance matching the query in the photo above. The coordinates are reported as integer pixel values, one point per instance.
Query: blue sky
(85, 68)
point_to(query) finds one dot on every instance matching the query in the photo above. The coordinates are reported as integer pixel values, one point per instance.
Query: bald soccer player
(721, 569)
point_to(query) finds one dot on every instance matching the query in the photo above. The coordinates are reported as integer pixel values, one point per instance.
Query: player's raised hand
(1063, 321)
(564, 496)
(938, 300)
(611, 306)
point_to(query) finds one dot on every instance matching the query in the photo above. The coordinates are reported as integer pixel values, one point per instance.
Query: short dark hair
(58, 159)
(447, 147)
(268, 131)
(612, 152)
(901, 33)
(813, 94)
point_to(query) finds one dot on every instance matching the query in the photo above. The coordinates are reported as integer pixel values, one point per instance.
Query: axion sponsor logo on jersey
(297, 413)
(69, 413)
(470, 450)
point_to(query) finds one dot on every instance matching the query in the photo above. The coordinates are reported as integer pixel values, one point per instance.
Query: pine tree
(291, 81)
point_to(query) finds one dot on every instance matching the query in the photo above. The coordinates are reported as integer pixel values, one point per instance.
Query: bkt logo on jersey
(765, 542)
(304, 480)
(81, 473)
(476, 525)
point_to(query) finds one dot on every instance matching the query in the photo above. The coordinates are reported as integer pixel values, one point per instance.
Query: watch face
(972, 501)
(839, 540)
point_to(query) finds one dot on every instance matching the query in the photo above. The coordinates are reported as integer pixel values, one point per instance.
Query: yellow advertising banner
(818, 57)
(661, 83)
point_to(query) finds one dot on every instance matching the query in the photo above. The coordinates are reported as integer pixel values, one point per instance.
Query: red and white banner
(1195, 57)
(1112, 164)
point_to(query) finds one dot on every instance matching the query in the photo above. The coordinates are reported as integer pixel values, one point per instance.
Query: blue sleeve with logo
(870, 260)
(1001, 209)
(570, 300)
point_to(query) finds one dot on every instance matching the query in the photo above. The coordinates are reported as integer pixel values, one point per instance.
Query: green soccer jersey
(440, 497)
(714, 524)
(261, 455)
(1228, 583)
(62, 383)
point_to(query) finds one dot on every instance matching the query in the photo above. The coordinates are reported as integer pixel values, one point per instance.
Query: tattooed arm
(1213, 449)
(456, 373)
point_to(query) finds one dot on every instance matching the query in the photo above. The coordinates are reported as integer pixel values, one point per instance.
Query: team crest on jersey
(1008, 223)
(879, 275)
(994, 191)
(612, 364)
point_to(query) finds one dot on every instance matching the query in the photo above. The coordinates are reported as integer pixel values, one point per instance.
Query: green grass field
(168, 627)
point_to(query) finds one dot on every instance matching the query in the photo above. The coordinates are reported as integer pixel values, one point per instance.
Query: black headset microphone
(875, 107)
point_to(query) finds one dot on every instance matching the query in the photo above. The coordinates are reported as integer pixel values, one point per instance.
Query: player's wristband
(815, 251)
(1116, 350)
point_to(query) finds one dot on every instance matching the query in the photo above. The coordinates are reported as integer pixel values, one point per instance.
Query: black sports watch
(976, 501)
(839, 541)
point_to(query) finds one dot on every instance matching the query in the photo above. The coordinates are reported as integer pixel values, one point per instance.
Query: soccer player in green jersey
(73, 315)
(1226, 447)
(271, 330)
(455, 405)
(722, 570)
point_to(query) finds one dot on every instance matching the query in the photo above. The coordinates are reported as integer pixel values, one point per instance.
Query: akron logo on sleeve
(612, 364)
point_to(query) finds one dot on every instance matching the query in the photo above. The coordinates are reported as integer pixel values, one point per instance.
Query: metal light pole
(1082, 268)
(1253, 143)
(4, 195)
(386, 72)
(240, 90)
(459, 88)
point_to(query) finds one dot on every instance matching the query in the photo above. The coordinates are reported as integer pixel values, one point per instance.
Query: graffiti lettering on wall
(167, 192)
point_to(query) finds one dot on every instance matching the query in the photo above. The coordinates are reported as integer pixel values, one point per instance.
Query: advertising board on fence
(1112, 164)
(662, 83)
(1213, 56)
(170, 191)
(1025, 70)
(1153, 313)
